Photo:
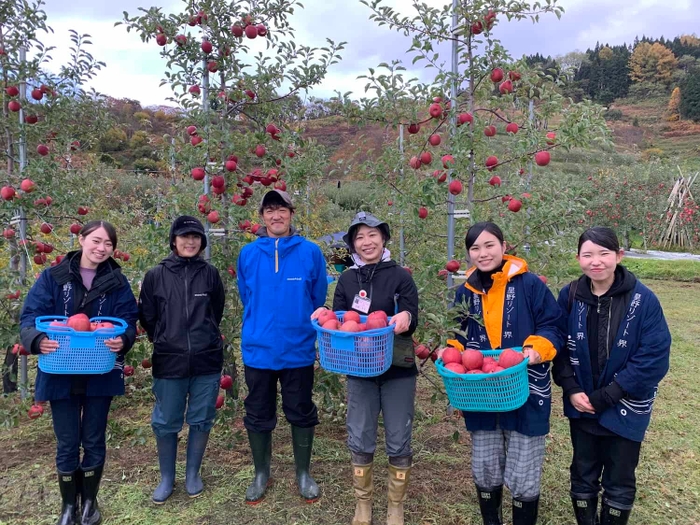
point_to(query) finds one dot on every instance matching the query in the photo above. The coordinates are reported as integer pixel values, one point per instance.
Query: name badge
(361, 304)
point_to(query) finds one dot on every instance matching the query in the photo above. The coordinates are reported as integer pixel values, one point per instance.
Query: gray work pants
(395, 398)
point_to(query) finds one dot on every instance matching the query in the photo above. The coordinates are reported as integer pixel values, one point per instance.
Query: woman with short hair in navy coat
(509, 306)
(618, 350)
(87, 281)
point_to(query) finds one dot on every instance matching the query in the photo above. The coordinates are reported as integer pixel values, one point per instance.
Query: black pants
(614, 457)
(261, 404)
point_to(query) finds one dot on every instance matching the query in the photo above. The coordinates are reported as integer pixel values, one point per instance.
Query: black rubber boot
(167, 456)
(196, 445)
(68, 485)
(261, 447)
(302, 443)
(585, 509)
(614, 514)
(90, 486)
(490, 505)
(525, 512)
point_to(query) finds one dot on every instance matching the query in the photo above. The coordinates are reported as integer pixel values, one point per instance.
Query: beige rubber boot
(364, 488)
(398, 484)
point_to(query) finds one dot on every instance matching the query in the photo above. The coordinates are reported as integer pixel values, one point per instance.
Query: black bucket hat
(187, 224)
(366, 219)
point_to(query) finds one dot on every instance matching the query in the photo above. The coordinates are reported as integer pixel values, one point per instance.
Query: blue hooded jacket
(281, 282)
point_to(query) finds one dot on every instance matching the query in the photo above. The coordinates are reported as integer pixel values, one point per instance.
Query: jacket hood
(513, 266)
(262, 231)
(624, 282)
(366, 271)
(174, 262)
(69, 267)
(283, 245)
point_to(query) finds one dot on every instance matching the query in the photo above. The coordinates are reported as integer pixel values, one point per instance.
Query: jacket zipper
(277, 264)
(187, 318)
(607, 333)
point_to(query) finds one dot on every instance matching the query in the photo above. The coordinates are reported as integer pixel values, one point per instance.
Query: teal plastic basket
(79, 352)
(496, 392)
(359, 354)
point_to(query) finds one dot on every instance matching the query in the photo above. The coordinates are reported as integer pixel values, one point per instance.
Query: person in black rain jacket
(181, 306)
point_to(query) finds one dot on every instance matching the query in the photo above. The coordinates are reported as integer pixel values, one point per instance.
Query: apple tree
(480, 138)
(237, 71)
(47, 119)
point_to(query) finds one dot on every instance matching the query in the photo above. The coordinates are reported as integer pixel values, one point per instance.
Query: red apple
(513, 75)
(422, 212)
(79, 323)
(237, 30)
(27, 186)
(434, 140)
(351, 316)
(196, 140)
(492, 162)
(220, 400)
(447, 161)
(82, 210)
(496, 75)
(506, 87)
(213, 217)
(207, 47)
(543, 279)
(452, 266)
(426, 157)
(75, 228)
(414, 163)
(512, 127)
(198, 173)
(194, 90)
(514, 205)
(464, 118)
(14, 106)
(161, 39)
(542, 158)
(262, 30)
(180, 40)
(451, 355)
(490, 131)
(260, 150)
(435, 110)
(455, 187)
(551, 136)
(413, 128)
(495, 180)
(42, 150)
(191, 130)
(422, 352)
(12, 91)
(226, 382)
(46, 228)
(8, 233)
(35, 411)
(251, 31)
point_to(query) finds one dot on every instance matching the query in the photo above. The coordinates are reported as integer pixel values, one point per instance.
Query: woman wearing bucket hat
(618, 351)
(180, 307)
(508, 306)
(376, 283)
(86, 281)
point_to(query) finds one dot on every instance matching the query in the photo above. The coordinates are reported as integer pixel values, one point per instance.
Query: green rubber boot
(261, 447)
(302, 443)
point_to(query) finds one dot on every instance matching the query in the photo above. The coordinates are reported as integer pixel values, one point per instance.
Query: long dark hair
(91, 226)
(479, 228)
(602, 236)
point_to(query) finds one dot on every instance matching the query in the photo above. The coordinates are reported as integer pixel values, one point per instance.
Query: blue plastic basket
(79, 352)
(359, 354)
(496, 392)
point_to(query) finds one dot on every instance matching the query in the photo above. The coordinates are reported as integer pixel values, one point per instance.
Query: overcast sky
(135, 69)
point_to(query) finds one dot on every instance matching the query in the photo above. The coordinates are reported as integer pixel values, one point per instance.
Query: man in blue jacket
(281, 280)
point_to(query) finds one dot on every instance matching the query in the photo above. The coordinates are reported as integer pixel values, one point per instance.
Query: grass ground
(441, 492)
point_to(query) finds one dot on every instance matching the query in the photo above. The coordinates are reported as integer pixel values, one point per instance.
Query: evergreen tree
(690, 96)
